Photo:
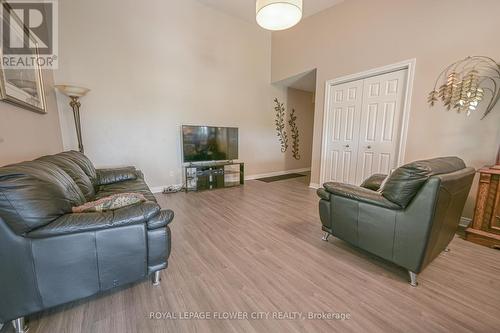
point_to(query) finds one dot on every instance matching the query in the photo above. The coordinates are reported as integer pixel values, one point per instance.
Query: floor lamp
(74, 93)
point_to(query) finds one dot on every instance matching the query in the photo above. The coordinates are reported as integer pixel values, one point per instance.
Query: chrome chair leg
(19, 325)
(325, 236)
(413, 279)
(156, 278)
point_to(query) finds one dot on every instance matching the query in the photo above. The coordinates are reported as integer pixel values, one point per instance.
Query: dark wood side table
(485, 227)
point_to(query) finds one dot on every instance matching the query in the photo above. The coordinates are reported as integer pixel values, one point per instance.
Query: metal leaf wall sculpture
(466, 83)
(279, 121)
(295, 135)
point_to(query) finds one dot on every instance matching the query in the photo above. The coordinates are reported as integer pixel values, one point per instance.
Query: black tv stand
(212, 175)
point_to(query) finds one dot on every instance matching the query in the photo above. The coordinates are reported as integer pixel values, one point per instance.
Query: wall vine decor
(466, 83)
(279, 121)
(295, 135)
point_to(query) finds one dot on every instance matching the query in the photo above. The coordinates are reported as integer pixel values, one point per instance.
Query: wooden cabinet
(485, 228)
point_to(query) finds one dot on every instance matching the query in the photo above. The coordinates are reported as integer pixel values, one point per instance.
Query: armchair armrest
(323, 194)
(374, 181)
(83, 222)
(360, 194)
(110, 176)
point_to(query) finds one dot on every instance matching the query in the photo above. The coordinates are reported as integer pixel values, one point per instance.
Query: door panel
(343, 121)
(364, 120)
(380, 124)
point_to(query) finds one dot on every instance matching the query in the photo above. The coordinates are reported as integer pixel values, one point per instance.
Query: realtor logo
(29, 33)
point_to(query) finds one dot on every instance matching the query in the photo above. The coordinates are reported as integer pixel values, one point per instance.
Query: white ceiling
(245, 9)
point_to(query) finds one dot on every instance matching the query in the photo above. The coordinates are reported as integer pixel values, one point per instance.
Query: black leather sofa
(410, 221)
(51, 256)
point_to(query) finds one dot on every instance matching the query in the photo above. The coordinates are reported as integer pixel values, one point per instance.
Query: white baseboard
(314, 185)
(276, 173)
(157, 189)
(465, 222)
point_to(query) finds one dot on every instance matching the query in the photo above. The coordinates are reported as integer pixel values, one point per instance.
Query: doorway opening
(300, 97)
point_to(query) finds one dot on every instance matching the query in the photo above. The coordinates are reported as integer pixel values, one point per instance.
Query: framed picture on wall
(21, 83)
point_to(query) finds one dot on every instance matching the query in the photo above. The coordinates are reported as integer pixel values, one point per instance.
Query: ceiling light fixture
(278, 14)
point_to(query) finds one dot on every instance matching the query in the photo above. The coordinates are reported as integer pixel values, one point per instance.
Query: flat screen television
(207, 143)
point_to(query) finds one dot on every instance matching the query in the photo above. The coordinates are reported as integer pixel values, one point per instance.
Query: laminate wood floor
(258, 249)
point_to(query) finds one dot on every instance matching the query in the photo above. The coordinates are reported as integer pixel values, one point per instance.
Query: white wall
(154, 65)
(358, 35)
(25, 135)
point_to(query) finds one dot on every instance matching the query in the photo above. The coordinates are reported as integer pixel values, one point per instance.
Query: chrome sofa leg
(325, 236)
(156, 278)
(19, 325)
(447, 249)
(413, 279)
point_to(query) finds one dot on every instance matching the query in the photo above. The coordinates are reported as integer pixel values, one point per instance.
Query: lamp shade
(278, 14)
(72, 91)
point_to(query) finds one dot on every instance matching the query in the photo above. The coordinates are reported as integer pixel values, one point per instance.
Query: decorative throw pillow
(112, 202)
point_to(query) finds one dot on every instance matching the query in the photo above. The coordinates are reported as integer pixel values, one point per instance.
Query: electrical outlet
(172, 173)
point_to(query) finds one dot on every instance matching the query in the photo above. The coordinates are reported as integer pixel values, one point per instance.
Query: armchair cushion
(110, 176)
(374, 182)
(405, 181)
(359, 194)
(82, 222)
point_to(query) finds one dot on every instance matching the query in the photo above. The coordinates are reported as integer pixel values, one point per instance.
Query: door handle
(368, 147)
(346, 146)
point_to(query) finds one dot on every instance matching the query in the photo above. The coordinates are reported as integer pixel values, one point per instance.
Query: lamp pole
(75, 105)
(74, 93)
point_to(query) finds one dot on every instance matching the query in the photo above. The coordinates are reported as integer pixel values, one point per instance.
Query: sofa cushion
(74, 171)
(406, 181)
(137, 186)
(83, 162)
(110, 176)
(33, 194)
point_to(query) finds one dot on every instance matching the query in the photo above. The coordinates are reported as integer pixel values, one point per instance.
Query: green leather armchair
(409, 220)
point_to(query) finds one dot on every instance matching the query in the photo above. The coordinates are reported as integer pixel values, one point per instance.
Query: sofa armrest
(360, 194)
(83, 222)
(374, 181)
(161, 220)
(110, 176)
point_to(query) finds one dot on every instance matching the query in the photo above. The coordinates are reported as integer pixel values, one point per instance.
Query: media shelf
(209, 176)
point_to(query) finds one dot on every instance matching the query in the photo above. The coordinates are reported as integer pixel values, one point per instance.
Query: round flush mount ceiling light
(278, 14)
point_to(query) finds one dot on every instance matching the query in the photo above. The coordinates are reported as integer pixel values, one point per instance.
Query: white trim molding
(409, 65)
(276, 173)
(314, 185)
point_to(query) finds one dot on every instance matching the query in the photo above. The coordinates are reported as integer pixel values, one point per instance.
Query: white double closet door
(363, 127)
